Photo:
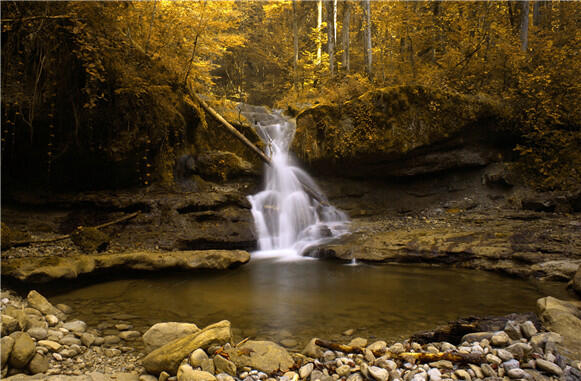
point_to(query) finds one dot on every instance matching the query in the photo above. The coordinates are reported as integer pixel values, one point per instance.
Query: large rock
(43, 269)
(6, 345)
(9, 324)
(169, 356)
(222, 165)
(262, 355)
(563, 317)
(35, 300)
(22, 350)
(162, 333)
(399, 131)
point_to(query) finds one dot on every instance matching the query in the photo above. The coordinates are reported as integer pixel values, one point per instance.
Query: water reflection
(311, 298)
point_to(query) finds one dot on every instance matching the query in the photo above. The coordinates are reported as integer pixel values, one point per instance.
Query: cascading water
(288, 220)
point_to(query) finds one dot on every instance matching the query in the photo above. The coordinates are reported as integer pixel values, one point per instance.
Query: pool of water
(266, 299)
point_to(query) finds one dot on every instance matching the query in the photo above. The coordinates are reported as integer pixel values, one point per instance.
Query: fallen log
(407, 356)
(65, 236)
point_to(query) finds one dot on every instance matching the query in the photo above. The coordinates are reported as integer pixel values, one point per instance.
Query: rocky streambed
(45, 341)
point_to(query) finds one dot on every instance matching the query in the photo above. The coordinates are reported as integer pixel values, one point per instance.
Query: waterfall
(288, 220)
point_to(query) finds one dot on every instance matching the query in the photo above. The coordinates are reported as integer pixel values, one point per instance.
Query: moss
(392, 121)
(89, 240)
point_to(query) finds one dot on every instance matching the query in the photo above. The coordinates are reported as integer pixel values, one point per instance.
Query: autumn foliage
(103, 82)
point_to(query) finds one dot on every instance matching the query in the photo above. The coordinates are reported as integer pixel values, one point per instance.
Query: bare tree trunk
(345, 32)
(295, 42)
(331, 37)
(335, 20)
(319, 23)
(150, 27)
(536, 13)
(367, 37)
(524, 26)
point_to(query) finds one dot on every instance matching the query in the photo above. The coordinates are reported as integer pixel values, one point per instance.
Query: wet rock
(222, 365)
(39, 302)
(504, 354)
(265, 356)
(442, 364)
(528, 329)
(197, 357)
(6, 345)
(396, 348)
(87, 339)
(477, 337)
(488, 370)
(52, 345)
(169, 356)
(359, 342)
(512, 329)
(517, 373)
(563, 318)
(288, 343)
(162, 333)
(130, 335)
(110, 340)
(461, 373)
(187, 373)
(520, 350)
(224, 377)
(22, 351)
(500, 339)
(70, 340)
(355, 377)
(378, 346)
(52, 320)
(434, 374)
(312, 349)
(549, 367)
(38, 364)
(77, 326)
(492, 359)
(9, 325)
(510, 364)
(378, 373)
(305, 370)
(343, 370)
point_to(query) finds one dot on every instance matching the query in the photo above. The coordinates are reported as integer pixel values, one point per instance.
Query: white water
(288, 221)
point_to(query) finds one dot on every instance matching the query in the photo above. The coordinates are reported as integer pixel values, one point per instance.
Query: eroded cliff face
(402, 131)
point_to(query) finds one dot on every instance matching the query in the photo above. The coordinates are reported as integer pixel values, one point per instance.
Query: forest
(96, 84)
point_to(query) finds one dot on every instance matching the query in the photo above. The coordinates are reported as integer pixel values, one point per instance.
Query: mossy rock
(89, 240)
(222, 165)
(10, 236)
(366, 135)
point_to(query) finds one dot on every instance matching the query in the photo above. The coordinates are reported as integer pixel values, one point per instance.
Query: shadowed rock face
(400, 131)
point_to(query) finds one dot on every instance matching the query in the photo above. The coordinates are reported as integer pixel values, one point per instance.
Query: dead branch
(61, 237)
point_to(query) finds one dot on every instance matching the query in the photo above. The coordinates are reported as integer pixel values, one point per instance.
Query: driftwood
(311, 192)
(407, 356)
(61, 237)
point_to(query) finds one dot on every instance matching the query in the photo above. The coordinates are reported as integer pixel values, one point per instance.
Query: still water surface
(268, 299)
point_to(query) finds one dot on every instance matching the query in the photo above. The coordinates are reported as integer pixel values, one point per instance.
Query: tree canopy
(66, 63)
